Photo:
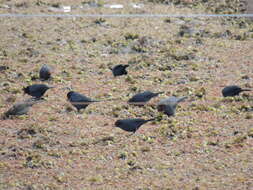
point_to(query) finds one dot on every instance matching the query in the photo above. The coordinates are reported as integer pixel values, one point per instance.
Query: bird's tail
(156, 94)
(246, 89)
(181, 99)
(152, 119)
(96, 101)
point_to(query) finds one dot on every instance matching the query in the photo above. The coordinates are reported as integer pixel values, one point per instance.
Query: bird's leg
(41, 98)
(81, 111)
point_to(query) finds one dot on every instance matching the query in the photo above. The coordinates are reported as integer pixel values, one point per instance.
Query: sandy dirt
(206, 145)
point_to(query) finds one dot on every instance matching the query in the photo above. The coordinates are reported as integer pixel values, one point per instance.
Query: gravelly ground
(207, 145)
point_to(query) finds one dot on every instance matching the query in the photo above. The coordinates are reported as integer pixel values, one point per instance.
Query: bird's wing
(136, 98)
(139, 122)
(181, 99)
(116, 67)
(171, 100)
(76, 97)
(145, 96)
(35, 88)
(17, 108)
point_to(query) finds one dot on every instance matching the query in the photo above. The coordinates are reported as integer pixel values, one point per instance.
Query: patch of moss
(250, 132)
(200, 107)
(96, 179)
(123, 155)
(200, 92)
(131, 36)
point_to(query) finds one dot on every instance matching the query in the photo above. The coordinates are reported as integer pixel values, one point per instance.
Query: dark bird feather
(119, 70)
(36, 90)
(20, 108)
(78, 100)
(233, 90)
(131, 125)
(169, 105)
(45, 72)
(143, 98)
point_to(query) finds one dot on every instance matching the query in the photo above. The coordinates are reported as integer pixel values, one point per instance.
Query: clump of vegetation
(250, 132)
(130, 36)
(200, 107)
(27, 132)
(33, 161)
(200, 92)
(99, 21)
(105, 141)
(58, 147)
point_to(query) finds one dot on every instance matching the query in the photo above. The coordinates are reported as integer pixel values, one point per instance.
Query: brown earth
(250, 6)
(207, 145)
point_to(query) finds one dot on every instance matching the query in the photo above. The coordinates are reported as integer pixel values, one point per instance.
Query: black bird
(78, 100)
(45, 72)
(119, 70)
(20, 108)
(3, 68)
(169, 105)
(131, 125)
(36, 90)
(142, 98)
(233, 90)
